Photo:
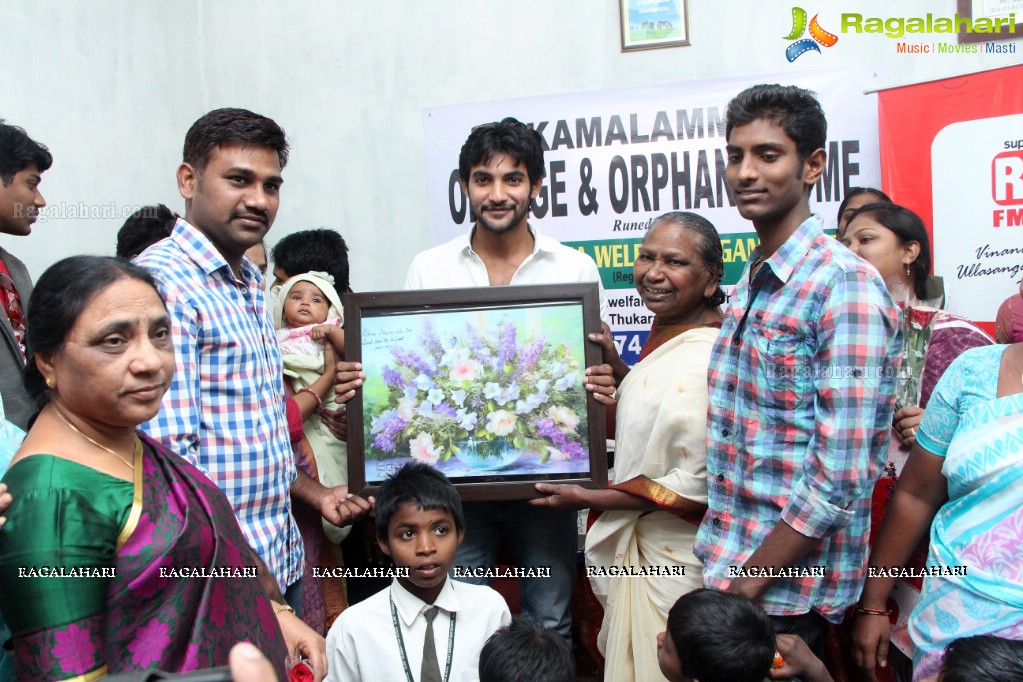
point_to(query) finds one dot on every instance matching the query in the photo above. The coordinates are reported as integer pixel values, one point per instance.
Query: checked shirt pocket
(780, 363)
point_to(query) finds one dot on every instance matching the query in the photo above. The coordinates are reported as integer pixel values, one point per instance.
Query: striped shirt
(224, 411)
(802, 390)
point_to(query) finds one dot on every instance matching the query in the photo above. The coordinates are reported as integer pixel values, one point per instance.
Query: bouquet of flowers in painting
(476, 393)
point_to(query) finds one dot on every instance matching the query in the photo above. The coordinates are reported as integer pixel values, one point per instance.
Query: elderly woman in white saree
(641, 547)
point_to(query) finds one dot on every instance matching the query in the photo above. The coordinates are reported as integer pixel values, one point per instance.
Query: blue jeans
(810, 626)
(538, 537)
(293, 595)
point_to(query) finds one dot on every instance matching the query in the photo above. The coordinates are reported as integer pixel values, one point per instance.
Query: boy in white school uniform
(425, 627)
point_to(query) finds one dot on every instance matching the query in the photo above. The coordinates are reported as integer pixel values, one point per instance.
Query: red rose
(300, 672)
(921, 316)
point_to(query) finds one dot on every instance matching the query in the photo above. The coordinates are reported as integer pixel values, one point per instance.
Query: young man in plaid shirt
(802, 382)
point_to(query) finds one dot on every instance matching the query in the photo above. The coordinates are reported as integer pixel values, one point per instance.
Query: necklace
(74, 428)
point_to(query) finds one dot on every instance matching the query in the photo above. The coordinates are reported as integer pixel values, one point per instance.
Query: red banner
(951, 151)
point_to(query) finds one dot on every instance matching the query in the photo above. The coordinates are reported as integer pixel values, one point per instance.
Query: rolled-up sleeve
(857, 356)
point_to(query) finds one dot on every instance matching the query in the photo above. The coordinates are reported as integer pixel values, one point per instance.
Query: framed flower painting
(485, 384)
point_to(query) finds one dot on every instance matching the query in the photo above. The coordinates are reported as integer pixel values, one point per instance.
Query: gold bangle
(872, 612)
(281, 607)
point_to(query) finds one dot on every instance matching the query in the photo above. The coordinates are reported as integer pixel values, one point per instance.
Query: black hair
(422, 485)
(223, 126)
(525, 651)
(796, 110)
(18, 151)
(319, 250)
(907, 227)
(59, 298)
(143, 228)
(509, 136)
(721, 637)
(857, 191)
(983, 658)
(708, 245)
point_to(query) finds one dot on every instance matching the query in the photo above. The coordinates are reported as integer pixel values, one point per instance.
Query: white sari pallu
(660, 455)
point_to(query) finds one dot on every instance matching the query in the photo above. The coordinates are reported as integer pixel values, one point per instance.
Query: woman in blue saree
(965, 474)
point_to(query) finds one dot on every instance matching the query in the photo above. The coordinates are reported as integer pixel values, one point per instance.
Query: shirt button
(760, 316)
(735, 341)
(717, 522)
(731, 388)
(721, 477)
(724, 432)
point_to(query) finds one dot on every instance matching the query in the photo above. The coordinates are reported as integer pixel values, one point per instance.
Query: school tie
(431, 666)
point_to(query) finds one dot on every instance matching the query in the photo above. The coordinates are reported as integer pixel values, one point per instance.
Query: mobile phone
(221, 674)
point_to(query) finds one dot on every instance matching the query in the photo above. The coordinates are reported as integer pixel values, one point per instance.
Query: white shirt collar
(539, 243)
(409, 606)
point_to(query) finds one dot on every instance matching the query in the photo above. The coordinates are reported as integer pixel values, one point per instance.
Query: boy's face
(280, 277)
(305, 305)
(21, 201)
(668, 660)
(765, 174)
(425, 541)
(257, 254)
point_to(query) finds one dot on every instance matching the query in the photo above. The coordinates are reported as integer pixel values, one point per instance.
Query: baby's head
(420, 524)
(305, 304)
(304, 300)
(716, 637)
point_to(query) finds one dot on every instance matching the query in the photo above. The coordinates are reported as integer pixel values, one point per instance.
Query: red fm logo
(1007, 188)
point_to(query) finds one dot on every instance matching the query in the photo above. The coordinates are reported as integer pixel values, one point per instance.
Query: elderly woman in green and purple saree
(659, 496)
(117, 555)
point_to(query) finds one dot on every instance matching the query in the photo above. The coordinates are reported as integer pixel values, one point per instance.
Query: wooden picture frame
(975, 9)
(648, 24)
(486, 384)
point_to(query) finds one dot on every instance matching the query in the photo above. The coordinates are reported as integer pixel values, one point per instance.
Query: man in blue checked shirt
(225, 410)
(802, 384)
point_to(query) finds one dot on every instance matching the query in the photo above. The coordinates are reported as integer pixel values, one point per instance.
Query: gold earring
(908, 273)
(49, 382)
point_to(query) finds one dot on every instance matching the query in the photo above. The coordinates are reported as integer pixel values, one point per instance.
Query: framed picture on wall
(485, 384)
(992, 10)
(647, 24)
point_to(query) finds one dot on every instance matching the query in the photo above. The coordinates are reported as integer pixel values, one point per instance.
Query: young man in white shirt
(502, 169)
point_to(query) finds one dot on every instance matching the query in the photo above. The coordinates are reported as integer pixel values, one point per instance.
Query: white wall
(111, 86)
